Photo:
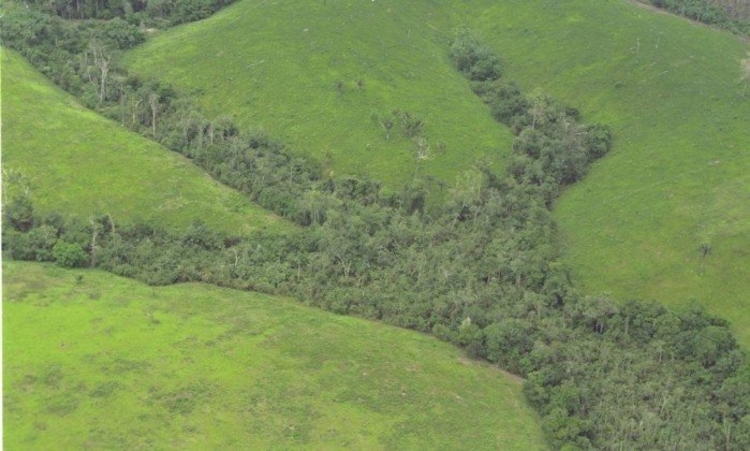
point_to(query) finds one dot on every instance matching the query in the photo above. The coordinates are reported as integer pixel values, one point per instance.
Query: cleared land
(320, 75)
(672, 91)
(78, 163)
(96, 361)
(679, 175)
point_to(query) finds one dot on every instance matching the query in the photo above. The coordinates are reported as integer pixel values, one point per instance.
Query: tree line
(482, 270)
(145, 13)
(733, 15)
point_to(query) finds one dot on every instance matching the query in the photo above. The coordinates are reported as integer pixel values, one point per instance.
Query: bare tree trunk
(102, 61)
(122, 103)
(94, 236)
(153, 101)
(112, 223)
(104, 68)
(135, 110)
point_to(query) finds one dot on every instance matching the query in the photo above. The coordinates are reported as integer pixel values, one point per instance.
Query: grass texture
(679, 175)
(677, 179)
(319, 75)
(92, 360)
(78, 163)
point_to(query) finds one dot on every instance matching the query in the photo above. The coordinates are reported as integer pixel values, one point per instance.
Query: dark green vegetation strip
(733, 15)
(96, 361)
(74, 161)
(138, 12)
(482, 272)
(674, 93)
(678, 100)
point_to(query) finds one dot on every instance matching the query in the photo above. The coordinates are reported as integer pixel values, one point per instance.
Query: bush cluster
(552, 148)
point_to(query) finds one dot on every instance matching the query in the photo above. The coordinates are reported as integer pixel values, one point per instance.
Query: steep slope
(321, 75)
(77, 162)
(679, 175)
(117, 364)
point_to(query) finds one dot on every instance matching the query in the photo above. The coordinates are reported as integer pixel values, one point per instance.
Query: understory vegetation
(482, 270)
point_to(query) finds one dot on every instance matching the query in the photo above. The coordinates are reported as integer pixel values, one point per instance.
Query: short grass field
(77, 163)
(317, 75)
(94, 361)
(679, 174)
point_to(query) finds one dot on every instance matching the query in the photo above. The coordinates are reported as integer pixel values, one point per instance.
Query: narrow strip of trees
(145, 13)
(733, 15)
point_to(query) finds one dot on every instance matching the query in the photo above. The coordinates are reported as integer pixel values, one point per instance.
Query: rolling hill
(78, 163)
(676, 182)
(92, 360)
(96, 361)
(679, 175)
(83, 346)
(321, 76)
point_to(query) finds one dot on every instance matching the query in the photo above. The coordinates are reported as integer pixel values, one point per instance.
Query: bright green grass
(92, 360)
(275, 65)
(78, 163)
(679, 175)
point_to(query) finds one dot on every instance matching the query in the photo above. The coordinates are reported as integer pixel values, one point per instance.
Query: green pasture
(76, 162)
(677, 179)
(94, 361)
(318, 75)
(679, 174)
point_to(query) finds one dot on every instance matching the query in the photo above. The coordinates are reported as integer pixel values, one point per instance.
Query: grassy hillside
(79, 163)
(96, 361)
(314, 74)
(679, 175)
(672, 91)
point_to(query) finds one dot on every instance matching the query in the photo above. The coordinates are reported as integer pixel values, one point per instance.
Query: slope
(322, 77)
(93, 360)
(677, 181)
(76, 162)
(679, 175)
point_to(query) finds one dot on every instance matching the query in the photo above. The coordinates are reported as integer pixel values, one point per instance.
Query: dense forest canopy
(481, 270)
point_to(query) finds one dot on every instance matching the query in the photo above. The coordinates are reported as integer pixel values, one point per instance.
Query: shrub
(474, 59)
(19, 213)
(69, 255)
